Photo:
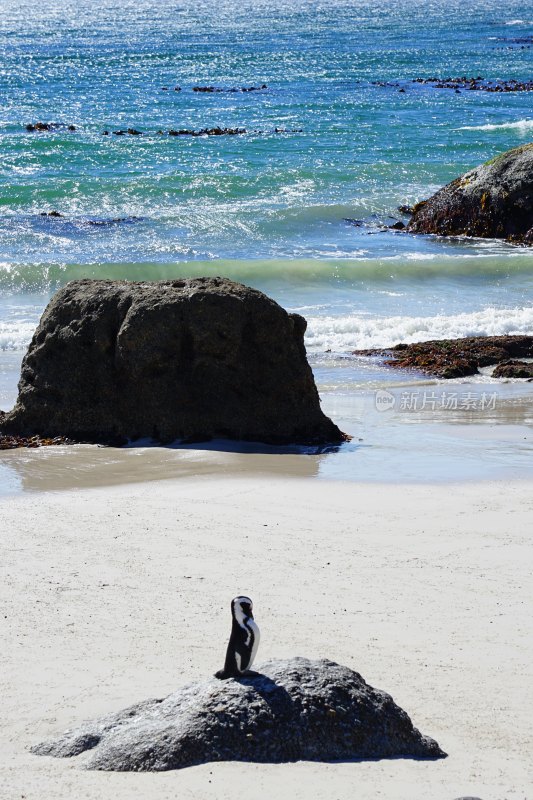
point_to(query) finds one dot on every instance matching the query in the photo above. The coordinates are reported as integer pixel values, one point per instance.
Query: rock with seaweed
(514, 369)
(494, 200)
(455, 358)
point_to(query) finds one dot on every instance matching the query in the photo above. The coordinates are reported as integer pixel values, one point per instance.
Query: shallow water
(300, 215)
(406, 430)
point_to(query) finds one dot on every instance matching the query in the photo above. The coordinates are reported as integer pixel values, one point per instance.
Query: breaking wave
(259, 272)
(358, 331)
(16, 335)
(522, 126)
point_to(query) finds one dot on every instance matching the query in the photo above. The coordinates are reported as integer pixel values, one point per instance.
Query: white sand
(113, 595)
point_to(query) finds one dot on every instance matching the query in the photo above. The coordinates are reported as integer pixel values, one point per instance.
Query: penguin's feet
(222, 675)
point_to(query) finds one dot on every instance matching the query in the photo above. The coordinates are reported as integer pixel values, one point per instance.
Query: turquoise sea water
(301, 215)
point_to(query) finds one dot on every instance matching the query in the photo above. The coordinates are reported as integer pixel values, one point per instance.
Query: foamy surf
(356, 331)
(16, 335)
(521, 125)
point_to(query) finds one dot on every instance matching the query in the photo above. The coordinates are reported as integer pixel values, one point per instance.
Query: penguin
(243, 642)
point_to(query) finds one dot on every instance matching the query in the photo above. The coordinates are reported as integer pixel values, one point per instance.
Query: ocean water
(301, 214)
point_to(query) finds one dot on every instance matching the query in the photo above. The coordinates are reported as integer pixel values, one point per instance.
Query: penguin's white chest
(252, 630)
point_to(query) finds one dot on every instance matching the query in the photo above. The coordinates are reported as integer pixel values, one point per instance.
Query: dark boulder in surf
(291, 710)
(185, 360)
(494, 200)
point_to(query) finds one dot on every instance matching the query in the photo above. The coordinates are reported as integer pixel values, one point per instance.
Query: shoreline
(407, 433)
(118, 594)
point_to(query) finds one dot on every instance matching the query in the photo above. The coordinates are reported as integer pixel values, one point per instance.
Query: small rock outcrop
(173, 360)
(456, 358)
(513, 369)
(291, 710)
(128, 132)
(32, 127)
(494, 200)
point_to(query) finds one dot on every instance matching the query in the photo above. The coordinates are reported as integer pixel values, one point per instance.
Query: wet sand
(390, 447)
(417, 436)
(116, 594)
(65, 467)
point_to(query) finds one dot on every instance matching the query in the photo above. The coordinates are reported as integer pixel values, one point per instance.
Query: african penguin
(244, 639)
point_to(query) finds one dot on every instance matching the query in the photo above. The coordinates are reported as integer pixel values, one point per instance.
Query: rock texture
(184, 359)
(455, 358)
(292, 710)
(514, 369)
(493, 200)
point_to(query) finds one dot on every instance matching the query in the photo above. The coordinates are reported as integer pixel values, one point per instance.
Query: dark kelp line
(464, 83)
(48, 127)
(13, 442)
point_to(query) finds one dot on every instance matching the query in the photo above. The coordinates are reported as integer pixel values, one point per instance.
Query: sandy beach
(266, 272)
(112, 595)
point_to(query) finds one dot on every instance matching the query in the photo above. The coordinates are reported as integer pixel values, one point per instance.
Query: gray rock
(493, 200)
(292, 710)
(183, 359)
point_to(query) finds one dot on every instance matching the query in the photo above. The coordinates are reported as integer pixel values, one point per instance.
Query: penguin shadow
(274, 695)
(279, 700)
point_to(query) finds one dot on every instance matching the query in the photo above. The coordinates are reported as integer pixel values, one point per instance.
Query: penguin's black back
(237, 647)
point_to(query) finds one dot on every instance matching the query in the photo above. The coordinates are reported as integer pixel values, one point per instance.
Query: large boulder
(493, 200)
(183, 359)
(292, 710)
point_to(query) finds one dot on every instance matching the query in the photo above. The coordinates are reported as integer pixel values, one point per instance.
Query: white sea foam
(16, 335)
(521, 125)
(360, 331)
